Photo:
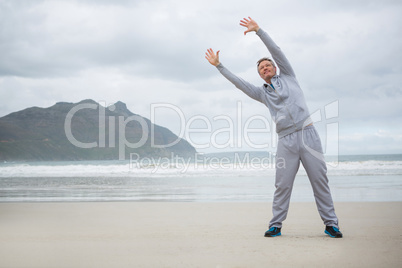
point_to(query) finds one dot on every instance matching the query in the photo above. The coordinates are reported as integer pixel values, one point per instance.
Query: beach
(195, 234)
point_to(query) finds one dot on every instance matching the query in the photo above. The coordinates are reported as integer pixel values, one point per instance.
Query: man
(298, 139)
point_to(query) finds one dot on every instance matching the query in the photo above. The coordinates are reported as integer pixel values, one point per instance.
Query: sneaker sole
(332, 235)
(278, 234)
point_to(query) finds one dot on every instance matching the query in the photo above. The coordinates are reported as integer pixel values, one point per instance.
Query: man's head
(266, 68)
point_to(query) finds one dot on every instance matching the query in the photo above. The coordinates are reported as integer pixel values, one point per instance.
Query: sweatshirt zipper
(293, 121)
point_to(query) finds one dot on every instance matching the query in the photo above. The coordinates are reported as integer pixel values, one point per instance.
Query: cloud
(62, 38)
(144, 52)
(380, 142)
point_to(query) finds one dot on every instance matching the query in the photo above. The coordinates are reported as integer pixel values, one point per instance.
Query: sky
(151, 55)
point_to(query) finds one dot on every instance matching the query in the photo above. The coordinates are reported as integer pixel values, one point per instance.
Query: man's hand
(212, 57)
(250, 24)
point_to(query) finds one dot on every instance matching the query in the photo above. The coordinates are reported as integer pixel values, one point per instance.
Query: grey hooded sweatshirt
(285, 100)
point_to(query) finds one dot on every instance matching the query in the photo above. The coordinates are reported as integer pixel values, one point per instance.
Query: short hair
(264, 59)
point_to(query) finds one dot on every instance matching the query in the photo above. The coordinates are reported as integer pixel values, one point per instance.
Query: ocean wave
(99, 169)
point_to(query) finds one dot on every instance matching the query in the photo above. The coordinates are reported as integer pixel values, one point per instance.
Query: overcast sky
(346, 55)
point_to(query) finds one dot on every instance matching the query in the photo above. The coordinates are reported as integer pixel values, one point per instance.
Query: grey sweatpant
(304, 146)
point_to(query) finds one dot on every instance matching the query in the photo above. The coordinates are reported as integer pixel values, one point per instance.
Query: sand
(168, 234)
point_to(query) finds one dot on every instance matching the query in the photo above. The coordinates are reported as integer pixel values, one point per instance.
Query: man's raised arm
(248, 88)
(277, 54)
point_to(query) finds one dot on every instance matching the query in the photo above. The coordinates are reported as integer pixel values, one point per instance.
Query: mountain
(85, 131)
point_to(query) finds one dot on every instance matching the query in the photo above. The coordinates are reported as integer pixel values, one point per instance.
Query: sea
(219, 177)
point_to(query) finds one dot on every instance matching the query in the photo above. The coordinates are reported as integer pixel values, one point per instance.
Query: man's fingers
(245, 21)
(208, 53)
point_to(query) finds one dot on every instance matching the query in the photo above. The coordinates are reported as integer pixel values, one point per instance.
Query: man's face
(266, 70)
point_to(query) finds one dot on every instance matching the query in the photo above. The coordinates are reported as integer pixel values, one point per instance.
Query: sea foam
(125, 169)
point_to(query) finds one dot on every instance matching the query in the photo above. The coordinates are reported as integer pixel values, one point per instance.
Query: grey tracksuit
(298, 141)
